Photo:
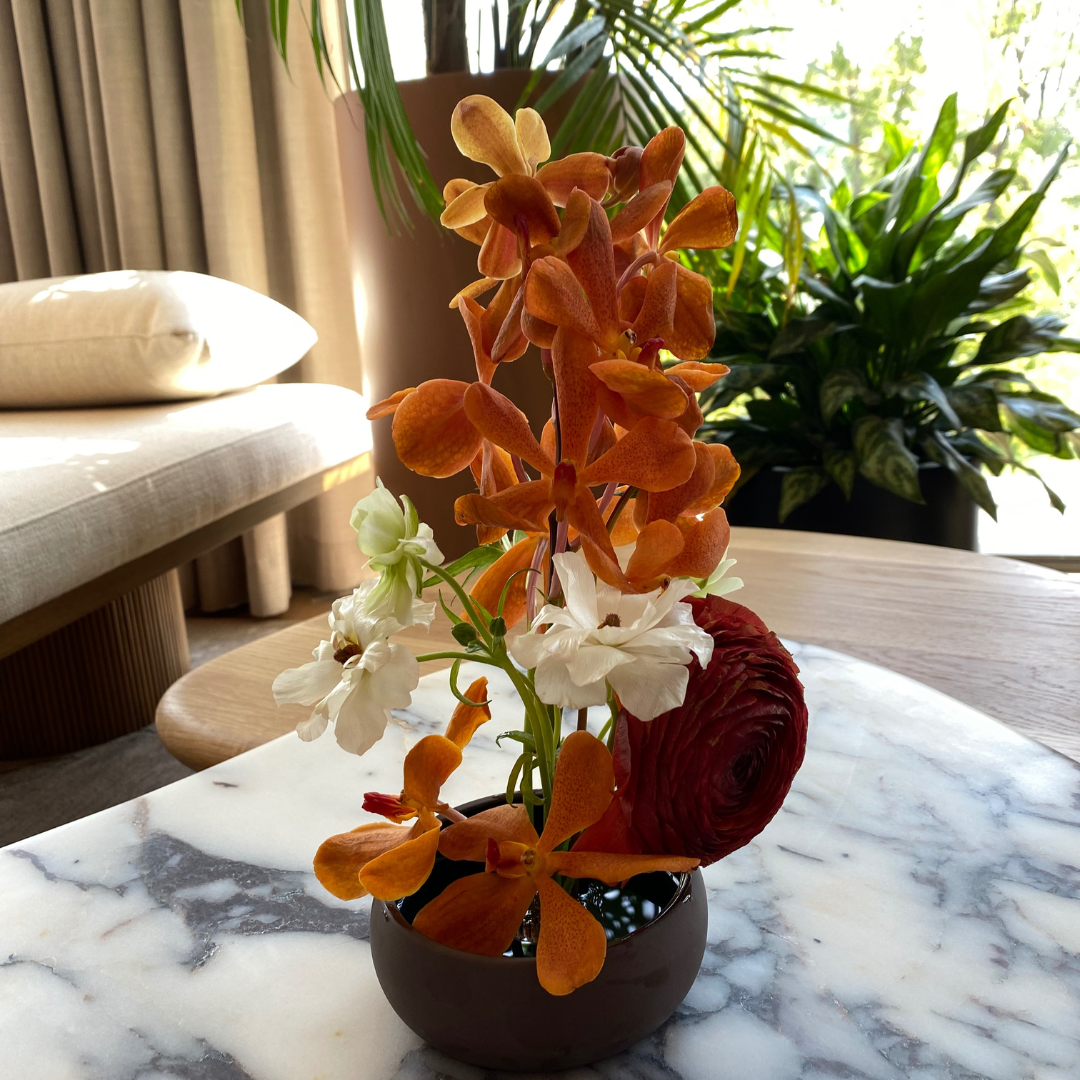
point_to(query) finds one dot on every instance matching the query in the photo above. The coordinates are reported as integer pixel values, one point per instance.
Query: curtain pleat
(165, 134)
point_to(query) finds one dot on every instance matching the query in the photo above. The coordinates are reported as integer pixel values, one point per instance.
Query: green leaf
(922, 386)
(838, 388)
(799, 486)
(739, 380)
(884, 459)
(976, 405)
(799, 333)
(479, 557)
(970, 476)
(1043, 409)
(774, 413)
(1015, 337)
(1041, 258)
(841, 467)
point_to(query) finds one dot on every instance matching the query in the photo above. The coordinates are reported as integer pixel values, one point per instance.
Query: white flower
(638, 644)
(357, 676)
(396, 540)
(716, 584)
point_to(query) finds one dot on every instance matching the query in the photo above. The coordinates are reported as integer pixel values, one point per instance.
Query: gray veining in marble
(913, 911)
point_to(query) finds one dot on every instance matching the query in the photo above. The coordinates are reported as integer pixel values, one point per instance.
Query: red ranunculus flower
(704, 779)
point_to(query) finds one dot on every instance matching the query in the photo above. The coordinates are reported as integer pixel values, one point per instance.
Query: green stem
(466, 603)
(479, 658)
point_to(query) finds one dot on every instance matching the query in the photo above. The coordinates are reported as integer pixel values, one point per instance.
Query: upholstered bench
(97, 508)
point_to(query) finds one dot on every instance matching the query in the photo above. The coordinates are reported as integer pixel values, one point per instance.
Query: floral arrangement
(603, 542)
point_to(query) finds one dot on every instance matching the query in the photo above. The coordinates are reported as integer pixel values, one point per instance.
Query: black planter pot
(947, 519)
(491, 1011)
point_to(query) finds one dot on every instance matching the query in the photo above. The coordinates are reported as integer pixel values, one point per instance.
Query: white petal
(528, 649)
(555, 687)
(379, 522)
(308, 683)
(648, 689)
(360, 722)
(579, 587)
(593, 662)
(311, 728)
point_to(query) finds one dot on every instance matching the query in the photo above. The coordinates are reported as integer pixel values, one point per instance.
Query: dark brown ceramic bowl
(492, 1011)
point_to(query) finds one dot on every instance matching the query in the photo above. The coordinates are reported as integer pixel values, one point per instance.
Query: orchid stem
(582, 719)
(624, 498)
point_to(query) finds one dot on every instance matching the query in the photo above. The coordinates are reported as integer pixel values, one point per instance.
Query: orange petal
(467, 718)
(594, 267)
(698, 376)
(467, 209)
(705, 544)
(511, 342)
(690, 420)
(340, 859)
(472, 315)
(498, 256)
(657, 311)
(389, 405)
(726, 472)
(572, 945)
(625, 531)
(660, 160)
(611, 869)
(524, 506)
(501, 421)
(571, 356)
(646, 390)
(584, 516)
(694, 326)
(427, 765)
(473, 290)
(581, 790)
(632, 297)
(468, 839)
(489, 586)
(706, 222)
(433, 435)
(536, 330)
(516, 197)
(575, 223)
(657, 545)
(654, 455)
(547, 439)
(554, 294)
(670, 504)
(480, 913)
(453, 188)
(640, 210)
(532, 136)
(587, 171)
(403, 870)
(484, 132)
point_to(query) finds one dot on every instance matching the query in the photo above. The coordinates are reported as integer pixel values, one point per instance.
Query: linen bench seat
(97, 506)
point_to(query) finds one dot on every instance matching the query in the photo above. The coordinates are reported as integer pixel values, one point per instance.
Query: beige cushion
(85, 491)
(139, 335)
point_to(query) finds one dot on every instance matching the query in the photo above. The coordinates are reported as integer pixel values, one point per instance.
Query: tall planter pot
(402, 283)
(948, 518)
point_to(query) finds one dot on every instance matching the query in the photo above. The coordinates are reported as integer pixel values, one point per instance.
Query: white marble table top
(913, 911)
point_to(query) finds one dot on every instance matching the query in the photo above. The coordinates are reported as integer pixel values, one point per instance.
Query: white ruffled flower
(357, 676)
(718, 585)
(395, 540)
(640, 644)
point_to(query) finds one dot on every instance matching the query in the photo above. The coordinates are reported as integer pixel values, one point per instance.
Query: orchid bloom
(639, 645)
(481, 913)
(493, 214)
(390, 861)
(357, 676)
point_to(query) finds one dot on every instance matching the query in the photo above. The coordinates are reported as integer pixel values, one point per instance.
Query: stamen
(610, 619)
(347, 651)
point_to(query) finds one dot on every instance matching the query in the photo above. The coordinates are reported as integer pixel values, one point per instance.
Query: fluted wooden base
(96, 678)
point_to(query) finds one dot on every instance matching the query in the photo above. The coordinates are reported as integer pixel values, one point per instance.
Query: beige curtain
(165, 134)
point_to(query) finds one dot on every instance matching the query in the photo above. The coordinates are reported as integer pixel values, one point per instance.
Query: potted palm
(874, 376)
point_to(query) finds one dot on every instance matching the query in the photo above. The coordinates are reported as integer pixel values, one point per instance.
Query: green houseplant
(884, 351)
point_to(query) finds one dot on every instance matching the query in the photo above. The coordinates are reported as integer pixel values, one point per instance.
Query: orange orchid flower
(707, 222)
(390, 861)
(481, 913)
(655, 456)
(486, 214)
